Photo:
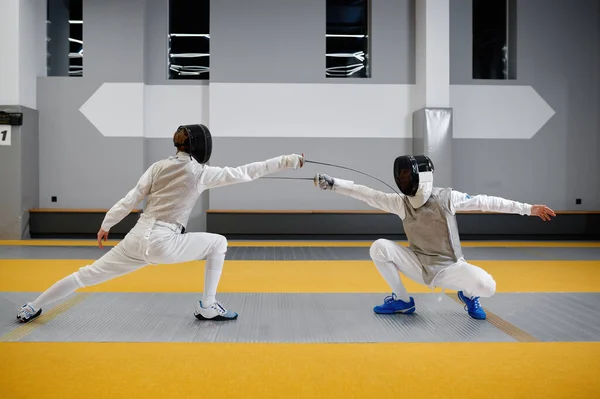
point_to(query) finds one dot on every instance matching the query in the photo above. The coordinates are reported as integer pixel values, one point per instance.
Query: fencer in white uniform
(172, 186)
(434, 256)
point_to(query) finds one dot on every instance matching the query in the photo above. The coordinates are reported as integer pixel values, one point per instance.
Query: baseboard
(368, 225)
(80, 223)
(321, 225)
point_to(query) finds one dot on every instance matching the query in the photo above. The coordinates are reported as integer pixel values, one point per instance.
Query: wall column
(432, 122)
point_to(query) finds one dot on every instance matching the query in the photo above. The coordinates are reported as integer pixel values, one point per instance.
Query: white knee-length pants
(462, 276)
(150, 242)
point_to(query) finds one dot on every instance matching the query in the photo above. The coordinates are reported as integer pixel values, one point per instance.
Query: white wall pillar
(9, 58)
(433, 53)
(23, 58)
(432, 122)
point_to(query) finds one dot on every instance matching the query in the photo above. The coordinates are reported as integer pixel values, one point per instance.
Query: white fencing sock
(392, 277)
(59, 290)
(212, 274)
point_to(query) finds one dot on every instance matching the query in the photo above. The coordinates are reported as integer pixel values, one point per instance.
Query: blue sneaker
(392, 305)
(472, 306)
(214, 312)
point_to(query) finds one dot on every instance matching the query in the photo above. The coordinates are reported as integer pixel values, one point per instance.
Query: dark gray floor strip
(314, 253)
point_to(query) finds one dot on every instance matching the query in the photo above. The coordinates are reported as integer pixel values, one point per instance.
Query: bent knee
(86, 276)
(220, 244)
(379, 249)
(486, 287)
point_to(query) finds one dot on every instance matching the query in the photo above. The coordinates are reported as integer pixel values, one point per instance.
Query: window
(347, 39)
(64, 37)
(494, 39)
(75, 38)
(189, 39)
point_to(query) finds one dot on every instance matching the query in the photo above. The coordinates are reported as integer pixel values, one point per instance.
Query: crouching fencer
(172, 187)
(434, 256)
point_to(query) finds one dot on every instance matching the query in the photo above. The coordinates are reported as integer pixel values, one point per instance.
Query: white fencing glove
(324, 182)
(294, 161)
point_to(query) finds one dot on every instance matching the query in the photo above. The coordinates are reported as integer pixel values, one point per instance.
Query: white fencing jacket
(392, 203)
(173, 185)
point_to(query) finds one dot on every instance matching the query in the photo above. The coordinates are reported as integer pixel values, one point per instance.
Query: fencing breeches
(391, 258)
(147, 243)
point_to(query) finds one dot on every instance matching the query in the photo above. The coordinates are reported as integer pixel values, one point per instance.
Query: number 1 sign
(5, 134)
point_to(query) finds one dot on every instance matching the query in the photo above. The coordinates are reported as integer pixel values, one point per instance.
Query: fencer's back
(174, 190)
(432, 233)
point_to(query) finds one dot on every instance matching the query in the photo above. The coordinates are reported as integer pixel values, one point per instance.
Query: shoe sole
(35, 316)
(216, 318)
(404, 311)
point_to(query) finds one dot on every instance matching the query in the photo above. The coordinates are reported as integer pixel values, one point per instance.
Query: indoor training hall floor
(306, 327)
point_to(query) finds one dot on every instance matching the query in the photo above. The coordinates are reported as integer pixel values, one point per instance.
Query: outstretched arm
(464, 202)
(387, 202)
(214, 176)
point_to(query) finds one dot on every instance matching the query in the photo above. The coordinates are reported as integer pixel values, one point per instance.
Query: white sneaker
(216, 312)
(27, 313)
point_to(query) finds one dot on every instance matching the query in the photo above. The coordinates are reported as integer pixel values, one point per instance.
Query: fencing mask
(199, 144)
(414, 177)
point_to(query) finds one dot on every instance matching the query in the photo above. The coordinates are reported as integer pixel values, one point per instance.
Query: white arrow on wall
(138, 110)
(117, 109)
(308, 110)
(497, 112)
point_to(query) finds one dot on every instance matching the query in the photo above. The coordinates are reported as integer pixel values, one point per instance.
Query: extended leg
(116, 262)
(391, 258)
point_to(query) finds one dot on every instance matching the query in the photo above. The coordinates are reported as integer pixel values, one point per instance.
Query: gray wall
(19, 175)
(598, 113)
(125, 41)
(288, 194)
(78, 165)
(113, 37)
(557, 54)
(287, 45)
(10, 176)
(30, 166)
(283, 41)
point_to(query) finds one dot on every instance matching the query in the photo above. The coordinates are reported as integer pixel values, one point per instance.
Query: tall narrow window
(64, 37)
(494, 39)
(347, 39)
(75, 38)
(189, 39)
